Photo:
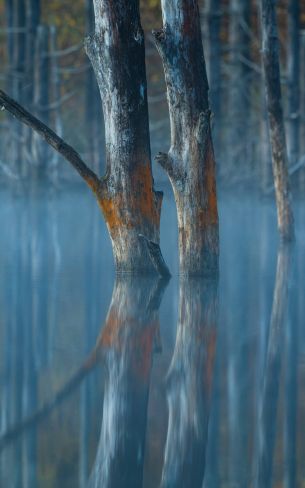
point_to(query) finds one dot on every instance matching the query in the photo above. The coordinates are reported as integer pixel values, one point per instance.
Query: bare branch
(7, 103)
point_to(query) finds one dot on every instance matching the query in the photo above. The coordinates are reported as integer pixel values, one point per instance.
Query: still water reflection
(132, 382)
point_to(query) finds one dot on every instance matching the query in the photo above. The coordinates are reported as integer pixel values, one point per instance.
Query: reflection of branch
(157, 291)
(12, 433)
(268, 408)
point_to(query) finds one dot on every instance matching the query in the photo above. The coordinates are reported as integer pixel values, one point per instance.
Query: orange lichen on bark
(136, 205)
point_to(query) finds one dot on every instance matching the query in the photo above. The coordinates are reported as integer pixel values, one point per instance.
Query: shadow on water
(186, 384)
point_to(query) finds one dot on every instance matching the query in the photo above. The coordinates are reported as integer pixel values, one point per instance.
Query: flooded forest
(152, 243)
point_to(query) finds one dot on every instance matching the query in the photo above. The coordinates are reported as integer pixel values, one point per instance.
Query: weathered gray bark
(93, 108)
(270, 56)
(293, 57)
(125, 194)
(239, 95)
(128, 200)
(190, 163)
(189, 385)
(214, 71)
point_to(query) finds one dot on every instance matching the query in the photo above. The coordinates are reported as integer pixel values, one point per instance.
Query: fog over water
(192, 383)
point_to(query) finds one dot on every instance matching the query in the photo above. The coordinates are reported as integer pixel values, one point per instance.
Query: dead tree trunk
(33, 14)
(293, 56)
(41, 97)
(93, 109)
(214, 71)
(239, 90)
(190, 163)
(55, 92)
(126, 194)
(128, 200)
(17, 81)
(271, 68)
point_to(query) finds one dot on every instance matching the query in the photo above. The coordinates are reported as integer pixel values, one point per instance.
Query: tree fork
(110, 208)
(190, 163)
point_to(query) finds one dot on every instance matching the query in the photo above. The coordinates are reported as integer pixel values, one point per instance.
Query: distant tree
(190, 163)
(270, 57)
(293, 57)
(239, 93)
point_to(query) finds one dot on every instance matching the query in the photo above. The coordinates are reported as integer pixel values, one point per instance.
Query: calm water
(128, 383)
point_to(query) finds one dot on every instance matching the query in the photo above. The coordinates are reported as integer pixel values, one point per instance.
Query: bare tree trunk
(271, 67)
(93, 109)
(190, 163)
(33, 14)
(128, 201)
(40, 150)
(55, 92)
(293, 56)
(302, 107)
(17, 81)
(239, 89)
(214, 71)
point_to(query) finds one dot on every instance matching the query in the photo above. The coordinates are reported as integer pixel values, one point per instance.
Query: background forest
(44, 67)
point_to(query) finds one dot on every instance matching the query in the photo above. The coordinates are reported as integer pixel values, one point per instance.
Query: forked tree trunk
(128, 200)
(190, 163)
(125, 194)
(271, 67)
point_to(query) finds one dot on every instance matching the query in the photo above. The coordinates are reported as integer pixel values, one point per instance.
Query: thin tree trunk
(93, 109)
(190, 163)
(33, 14)
(270, 56)
(239, 89)
(214, 72)
(40, 150)
(55, 95)
(293, 56)
(17, 81)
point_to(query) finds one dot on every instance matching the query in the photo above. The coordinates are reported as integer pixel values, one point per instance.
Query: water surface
(185, 384)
